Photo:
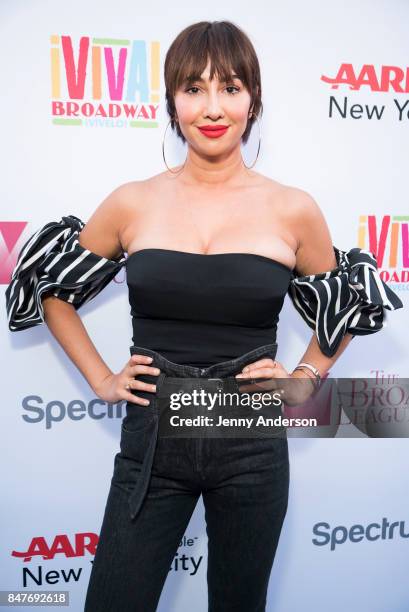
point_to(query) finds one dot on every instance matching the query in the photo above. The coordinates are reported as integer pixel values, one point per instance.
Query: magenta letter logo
(10, 246)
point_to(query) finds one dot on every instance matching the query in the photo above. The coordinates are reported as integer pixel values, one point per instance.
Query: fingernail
(245, 369)
(149, 358)
(156, 370)
(239, 375)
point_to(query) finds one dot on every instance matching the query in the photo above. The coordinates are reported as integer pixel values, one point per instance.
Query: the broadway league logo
(104, 82)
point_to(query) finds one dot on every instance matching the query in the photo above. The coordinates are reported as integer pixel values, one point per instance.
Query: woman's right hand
(113, 387)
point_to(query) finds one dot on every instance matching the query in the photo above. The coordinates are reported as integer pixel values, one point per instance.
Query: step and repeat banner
(83, 108)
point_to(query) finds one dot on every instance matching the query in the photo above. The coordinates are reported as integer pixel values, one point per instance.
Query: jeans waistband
(222, 368)
(165, 381)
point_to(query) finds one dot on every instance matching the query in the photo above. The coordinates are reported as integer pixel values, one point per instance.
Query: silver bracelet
(313, 380)
(310, 367)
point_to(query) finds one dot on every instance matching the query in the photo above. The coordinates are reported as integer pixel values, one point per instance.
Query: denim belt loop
(138, 494)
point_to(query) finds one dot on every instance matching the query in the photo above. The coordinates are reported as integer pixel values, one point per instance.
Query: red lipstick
(213, 131)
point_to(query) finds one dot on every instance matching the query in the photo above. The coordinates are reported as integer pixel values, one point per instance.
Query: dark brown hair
(228, 48)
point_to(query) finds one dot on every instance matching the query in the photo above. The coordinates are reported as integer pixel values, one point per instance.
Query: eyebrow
(201, 80)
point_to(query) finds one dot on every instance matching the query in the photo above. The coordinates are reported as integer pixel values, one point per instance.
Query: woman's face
(212, 103)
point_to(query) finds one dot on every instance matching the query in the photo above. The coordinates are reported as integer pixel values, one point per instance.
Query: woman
(213, 248)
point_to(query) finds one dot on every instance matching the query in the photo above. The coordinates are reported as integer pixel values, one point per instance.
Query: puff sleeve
(52, 260)
(350, 298)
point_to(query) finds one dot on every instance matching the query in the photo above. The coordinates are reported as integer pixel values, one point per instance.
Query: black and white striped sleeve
(350, 298)
(53, 261)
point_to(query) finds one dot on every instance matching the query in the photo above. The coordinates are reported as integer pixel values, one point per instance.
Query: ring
(127, 386)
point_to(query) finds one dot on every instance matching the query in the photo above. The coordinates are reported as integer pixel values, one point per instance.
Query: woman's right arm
(68, 329)
(100, 235)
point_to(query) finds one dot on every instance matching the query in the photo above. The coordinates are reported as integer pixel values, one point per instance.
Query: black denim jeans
(154, 490)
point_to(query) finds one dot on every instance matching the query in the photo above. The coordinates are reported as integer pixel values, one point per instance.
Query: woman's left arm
(316, 357)
(339, 294)
(315, 252)
(314, 255)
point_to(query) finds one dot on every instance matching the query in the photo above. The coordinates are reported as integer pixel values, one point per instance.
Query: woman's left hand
(274, 377)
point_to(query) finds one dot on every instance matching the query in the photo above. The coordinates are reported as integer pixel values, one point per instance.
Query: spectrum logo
(104, 82)
(56, 411)
(357, 533)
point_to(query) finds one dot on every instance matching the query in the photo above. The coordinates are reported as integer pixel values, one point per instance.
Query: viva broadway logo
(104, 82)
(388, 238)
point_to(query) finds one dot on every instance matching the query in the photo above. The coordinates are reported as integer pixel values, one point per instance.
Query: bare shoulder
(315, 252)
(102, 231)
(291, 202)
(298, 204)
(124, 197)
(133, 196)
(296, 200)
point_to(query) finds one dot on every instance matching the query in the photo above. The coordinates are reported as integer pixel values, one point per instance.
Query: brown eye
(237, 89)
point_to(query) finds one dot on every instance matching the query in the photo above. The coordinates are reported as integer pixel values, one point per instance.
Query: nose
(213, 107)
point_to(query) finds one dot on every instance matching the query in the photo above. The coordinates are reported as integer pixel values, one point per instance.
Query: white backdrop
(57, 453)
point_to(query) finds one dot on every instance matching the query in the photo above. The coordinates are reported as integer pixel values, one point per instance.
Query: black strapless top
(199, 309)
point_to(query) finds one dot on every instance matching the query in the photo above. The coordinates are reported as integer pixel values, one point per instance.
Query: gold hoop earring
(259, 143)
(163, 152)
